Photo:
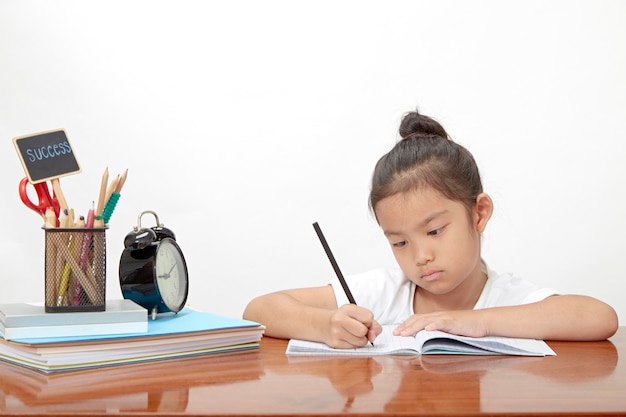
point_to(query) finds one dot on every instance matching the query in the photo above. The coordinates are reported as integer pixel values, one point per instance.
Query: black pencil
(333, 262)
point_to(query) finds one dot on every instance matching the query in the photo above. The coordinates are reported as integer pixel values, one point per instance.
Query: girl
(427, 197)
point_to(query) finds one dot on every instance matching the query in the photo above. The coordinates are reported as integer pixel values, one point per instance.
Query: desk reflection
(586, 378)
(152, 386)
(583, 377)
(447, 383)
(491, 384)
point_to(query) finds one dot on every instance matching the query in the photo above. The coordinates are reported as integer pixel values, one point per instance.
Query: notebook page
(386, 343)
(494, 344)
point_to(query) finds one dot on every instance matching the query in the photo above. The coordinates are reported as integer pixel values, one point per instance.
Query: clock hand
(167, 274)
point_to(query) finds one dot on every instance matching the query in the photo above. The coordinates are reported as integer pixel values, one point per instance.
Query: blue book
(185, 322)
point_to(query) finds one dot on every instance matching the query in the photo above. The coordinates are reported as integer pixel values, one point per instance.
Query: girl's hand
(461, 322)
(351, 326)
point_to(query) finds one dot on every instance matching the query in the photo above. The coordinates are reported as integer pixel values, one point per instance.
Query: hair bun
(417, 125)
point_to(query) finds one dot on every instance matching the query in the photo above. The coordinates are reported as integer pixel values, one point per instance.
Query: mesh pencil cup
(75, 269)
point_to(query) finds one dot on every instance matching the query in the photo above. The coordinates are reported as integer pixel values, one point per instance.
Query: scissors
(45, 199)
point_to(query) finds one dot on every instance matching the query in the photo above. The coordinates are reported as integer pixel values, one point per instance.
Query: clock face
(171, 274)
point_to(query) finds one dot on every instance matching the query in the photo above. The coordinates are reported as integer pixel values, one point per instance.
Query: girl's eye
(436, 232)
(399, 244)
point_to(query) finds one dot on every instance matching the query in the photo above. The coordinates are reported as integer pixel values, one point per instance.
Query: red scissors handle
(45, 199)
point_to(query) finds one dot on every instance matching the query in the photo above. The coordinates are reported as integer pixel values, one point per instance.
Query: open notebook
(429, 342)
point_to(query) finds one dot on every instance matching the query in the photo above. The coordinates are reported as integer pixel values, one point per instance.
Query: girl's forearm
(286, 318)
(562, 317)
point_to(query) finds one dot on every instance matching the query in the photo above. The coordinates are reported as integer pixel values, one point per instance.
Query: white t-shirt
(389, 294)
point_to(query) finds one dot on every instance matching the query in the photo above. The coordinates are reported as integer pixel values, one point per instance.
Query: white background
(243, 122)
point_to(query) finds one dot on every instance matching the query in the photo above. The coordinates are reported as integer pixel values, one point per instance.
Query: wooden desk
(585, 378)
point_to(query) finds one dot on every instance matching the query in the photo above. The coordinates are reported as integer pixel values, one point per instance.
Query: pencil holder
(75, 269)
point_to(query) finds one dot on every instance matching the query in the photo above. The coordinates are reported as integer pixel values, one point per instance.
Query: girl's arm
(559, 317)
(312, 314)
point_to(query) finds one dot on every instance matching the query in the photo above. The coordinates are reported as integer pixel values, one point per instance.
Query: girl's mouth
(430, 275)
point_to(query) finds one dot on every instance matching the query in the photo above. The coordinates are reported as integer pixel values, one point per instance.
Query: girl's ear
(482, 212)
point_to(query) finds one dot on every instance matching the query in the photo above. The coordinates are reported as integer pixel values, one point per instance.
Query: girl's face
(434, 240)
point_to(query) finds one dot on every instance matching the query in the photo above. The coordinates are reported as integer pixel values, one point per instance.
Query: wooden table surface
(585, 378)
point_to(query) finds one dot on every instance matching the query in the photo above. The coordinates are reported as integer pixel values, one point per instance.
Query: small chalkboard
(46, 155)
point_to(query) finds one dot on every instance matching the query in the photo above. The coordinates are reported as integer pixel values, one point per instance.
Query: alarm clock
(152, 271)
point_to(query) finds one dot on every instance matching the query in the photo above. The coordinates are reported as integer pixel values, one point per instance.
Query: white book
(29, 320)
(429, 342)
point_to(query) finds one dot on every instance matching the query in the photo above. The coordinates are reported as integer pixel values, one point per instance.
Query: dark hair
(426, 157)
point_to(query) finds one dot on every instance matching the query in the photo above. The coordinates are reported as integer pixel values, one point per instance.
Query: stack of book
(188, 333)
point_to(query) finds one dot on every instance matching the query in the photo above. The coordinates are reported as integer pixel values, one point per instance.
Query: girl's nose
(422, 256)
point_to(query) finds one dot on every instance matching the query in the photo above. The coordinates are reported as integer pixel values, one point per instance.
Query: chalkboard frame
(51, 150)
